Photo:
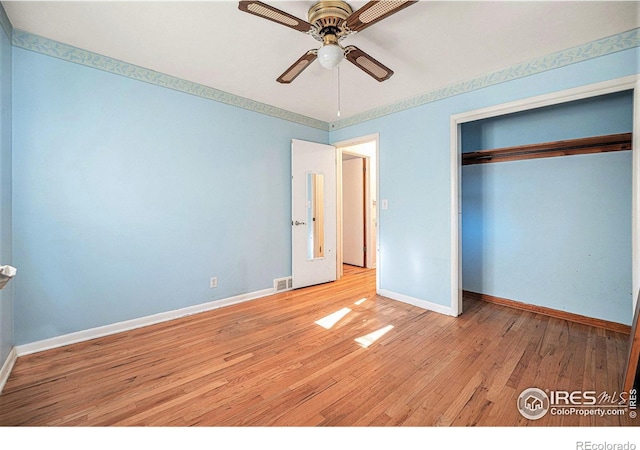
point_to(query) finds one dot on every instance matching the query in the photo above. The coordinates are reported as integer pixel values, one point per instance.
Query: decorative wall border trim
(48, 47)
(5, 23)
(601, 47)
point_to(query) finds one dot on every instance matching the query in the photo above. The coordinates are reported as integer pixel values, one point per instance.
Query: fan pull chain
(338, 73)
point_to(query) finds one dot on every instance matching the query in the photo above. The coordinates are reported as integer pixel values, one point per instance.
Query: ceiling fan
(330, 22)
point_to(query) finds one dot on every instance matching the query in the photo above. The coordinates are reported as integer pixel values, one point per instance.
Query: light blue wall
(6, 294)
(128, 197)
(552, 232)
(415, 237)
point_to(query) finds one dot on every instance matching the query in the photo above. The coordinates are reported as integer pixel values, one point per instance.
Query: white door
(313, 213)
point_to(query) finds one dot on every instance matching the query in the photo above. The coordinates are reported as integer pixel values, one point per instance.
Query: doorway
(354, 205)
(357, 203)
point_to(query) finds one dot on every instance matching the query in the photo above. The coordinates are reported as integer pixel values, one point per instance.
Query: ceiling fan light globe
(330, 55)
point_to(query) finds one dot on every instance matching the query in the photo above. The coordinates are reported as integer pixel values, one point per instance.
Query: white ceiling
(429, 45)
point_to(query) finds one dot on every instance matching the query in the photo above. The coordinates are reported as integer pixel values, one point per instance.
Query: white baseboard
(435, 307)
(93, 333)
(7, 366)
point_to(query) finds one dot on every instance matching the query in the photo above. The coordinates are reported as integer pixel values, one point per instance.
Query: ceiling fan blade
(368, 64)
(275, 15)
(373, 12)
(297, 67)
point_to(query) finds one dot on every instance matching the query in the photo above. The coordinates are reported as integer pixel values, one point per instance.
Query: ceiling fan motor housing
(328, 16)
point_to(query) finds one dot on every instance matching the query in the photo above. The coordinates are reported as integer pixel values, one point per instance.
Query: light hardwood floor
(268, 363)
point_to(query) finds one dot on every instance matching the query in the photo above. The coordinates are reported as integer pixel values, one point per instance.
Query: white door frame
(348, 143)
(592, 90)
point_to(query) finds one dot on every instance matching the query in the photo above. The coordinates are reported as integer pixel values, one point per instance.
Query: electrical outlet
(213, 282)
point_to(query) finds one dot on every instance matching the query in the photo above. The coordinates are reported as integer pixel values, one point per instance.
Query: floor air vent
(282, 284)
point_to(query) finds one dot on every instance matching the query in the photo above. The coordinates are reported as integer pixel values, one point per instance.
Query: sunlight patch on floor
(367, 340)
(360, 302)
(333, 318)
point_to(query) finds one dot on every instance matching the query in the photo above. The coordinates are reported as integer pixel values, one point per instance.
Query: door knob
(299, 223)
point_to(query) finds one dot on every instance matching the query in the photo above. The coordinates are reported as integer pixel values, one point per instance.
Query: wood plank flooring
(268, 363)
